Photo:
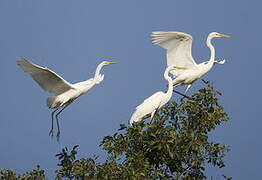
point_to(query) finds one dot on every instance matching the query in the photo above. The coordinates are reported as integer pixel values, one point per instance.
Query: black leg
(182, 94)
(51, 132)
(58, 129)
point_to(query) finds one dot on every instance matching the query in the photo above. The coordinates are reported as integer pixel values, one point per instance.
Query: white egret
(178, 46)
(65, 92)
(154, 102)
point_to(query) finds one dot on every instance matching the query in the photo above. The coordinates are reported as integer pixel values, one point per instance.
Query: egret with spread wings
(154, 102)
(178, 46)
(65, 92)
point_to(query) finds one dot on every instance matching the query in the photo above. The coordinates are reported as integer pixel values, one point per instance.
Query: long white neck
(98, 69)
(170, 85)
(212, 50)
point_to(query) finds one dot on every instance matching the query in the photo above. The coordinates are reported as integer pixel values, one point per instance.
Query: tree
(35, 174)
(174, 145)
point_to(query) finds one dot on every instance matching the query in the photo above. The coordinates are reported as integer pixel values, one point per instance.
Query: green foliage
(35, 174)
(174, 145)
(7, 174)
(67, 163)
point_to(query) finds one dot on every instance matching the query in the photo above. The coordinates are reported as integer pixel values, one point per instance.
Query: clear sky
(73, 37)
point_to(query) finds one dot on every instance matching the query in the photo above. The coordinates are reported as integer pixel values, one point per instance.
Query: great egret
(65, 92)
(154, 102)
(178, 46)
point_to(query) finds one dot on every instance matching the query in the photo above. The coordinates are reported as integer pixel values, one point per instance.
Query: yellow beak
(223, 35)
(108, 62)
(180, 68)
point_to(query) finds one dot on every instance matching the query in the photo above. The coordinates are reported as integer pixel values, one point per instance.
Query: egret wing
(178, 46)
(151, 102)
(84, 86)
(46, 78)
(147, 107)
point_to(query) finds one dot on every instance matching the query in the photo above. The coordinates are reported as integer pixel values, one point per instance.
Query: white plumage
(65, 92)
(178, 46)
(46, 78)
(154, 102)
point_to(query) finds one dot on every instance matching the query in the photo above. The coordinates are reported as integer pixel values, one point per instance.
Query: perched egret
(178, 46)
(154, 102)
(65, 92)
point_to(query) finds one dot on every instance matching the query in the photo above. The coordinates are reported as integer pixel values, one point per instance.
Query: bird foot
(221, 62)
(51, 133)
(58, 136)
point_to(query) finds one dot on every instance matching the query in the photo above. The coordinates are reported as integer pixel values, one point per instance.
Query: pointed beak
(223, 35)
(180, 67)
(108, 62)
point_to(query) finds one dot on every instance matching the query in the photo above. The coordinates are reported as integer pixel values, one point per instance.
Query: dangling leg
(220, 62)
(51, 133)
(187, 88)
(57, 123)
(181, 94)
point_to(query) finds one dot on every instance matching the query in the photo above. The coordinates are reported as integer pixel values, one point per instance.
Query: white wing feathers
(169, 39)
(46, 78)
(147, 107)
(153, 101)
(178, 46)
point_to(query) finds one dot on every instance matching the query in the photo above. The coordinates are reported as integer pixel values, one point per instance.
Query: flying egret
(65, 92)
(178, 46)
(154, 102)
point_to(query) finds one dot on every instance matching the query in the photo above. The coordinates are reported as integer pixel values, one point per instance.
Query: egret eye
(178, 46)
(65, 92)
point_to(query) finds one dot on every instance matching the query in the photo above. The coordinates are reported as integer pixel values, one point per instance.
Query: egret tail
(51, 102)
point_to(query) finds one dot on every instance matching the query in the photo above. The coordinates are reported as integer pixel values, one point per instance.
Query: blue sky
(73, 37)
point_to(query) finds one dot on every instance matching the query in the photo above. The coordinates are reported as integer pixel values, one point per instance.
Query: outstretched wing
(46, 78)
(178, 46)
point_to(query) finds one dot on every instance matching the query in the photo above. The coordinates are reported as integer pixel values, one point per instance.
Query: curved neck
(212, 50)
(98, 69)
(170, 84)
